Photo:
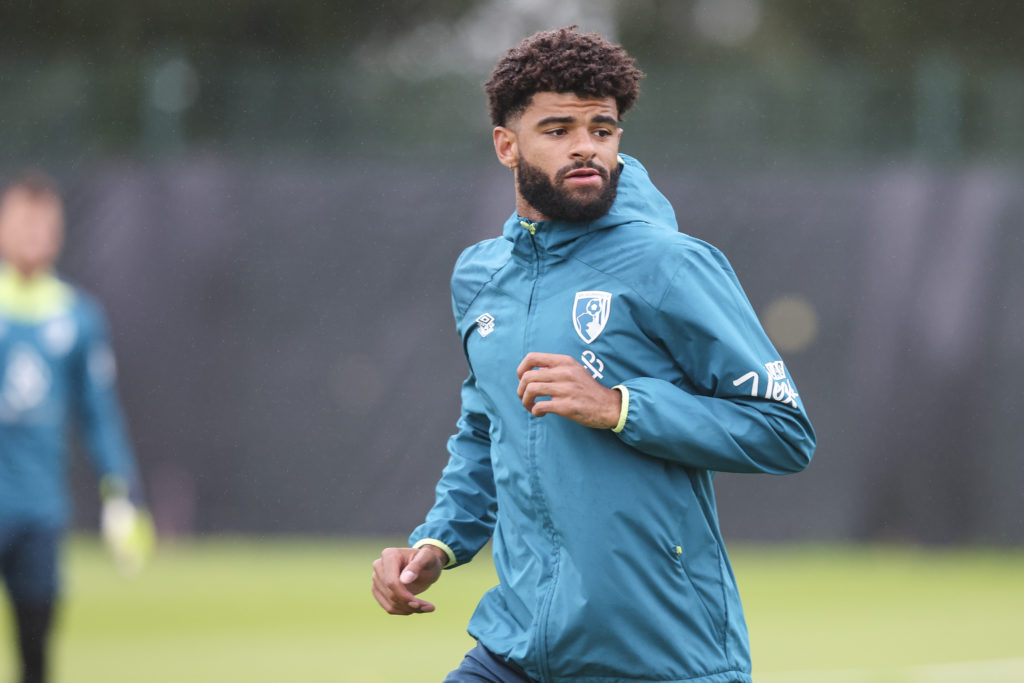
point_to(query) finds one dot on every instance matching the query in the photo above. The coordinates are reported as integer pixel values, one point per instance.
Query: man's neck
(525, 210)
(25, 274)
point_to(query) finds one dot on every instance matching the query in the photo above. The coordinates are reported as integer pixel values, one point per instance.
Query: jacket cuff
(624, 412)
(113, 486)
(437, 544)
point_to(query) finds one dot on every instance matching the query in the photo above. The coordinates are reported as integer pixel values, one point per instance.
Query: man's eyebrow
(556, 119)
(600, 118)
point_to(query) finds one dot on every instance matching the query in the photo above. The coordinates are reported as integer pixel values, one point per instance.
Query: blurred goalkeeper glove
(127, 528)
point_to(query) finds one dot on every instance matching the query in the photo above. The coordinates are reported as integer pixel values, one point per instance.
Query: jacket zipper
(540, 635)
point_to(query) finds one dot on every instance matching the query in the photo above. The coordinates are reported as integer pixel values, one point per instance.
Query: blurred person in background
(615, 366)
(56, 370)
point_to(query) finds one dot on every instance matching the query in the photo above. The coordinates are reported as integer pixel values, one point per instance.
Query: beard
(556, 202)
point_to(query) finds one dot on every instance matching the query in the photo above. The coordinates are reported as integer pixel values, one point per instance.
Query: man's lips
(584, 176)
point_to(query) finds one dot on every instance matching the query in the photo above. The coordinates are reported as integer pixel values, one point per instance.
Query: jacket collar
(31, 299)
(637, 201)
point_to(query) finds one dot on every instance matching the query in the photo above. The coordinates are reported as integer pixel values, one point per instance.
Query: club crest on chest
(590, 311)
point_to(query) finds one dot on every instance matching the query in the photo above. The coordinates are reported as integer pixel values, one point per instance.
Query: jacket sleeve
(99, 412)
(465, 502)
(465, 506)
(736, 409)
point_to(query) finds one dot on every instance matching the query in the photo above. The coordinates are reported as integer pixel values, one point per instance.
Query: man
(615, 366)
(55, 363)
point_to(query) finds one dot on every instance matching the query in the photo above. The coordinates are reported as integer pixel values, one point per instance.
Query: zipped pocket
(715, 613)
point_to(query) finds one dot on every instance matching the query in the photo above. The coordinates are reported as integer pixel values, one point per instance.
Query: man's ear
(506, 146)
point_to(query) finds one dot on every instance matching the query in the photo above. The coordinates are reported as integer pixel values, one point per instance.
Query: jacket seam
(725, 604)
(492, 273)
(587, 239)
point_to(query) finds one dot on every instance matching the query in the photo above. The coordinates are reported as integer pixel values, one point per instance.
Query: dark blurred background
(269, 198)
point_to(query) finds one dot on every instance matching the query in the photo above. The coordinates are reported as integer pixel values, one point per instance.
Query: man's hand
(573, 392)
(128, 532)
(400, 573)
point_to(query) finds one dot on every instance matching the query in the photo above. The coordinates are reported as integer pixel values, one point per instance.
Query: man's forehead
(18, 203)
(547, 104)
(22, 195)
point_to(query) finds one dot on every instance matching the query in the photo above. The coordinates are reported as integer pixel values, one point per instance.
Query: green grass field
(240, 610)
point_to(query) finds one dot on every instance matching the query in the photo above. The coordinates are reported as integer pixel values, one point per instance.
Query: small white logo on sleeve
(485, 324)
(779, 388)
(776, 370)
(590, 313)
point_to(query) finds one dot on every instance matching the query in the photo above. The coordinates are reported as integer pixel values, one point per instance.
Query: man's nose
(583, 147)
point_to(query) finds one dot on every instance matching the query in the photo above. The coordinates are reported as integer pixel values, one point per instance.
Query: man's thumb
(412, 570)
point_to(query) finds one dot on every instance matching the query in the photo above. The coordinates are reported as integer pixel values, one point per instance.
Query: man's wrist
(446, 555)
(440, 554)
(113, 486)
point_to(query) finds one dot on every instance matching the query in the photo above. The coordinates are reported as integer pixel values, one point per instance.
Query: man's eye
(602, 133)
(557, 132)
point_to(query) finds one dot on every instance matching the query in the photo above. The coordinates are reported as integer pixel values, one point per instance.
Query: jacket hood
(637, 201)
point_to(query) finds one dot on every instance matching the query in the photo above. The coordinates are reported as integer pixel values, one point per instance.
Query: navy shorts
(483, 666)
(28, 562)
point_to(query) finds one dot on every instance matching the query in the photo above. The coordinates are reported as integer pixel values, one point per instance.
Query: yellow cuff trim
(624, 412)
(437, 544)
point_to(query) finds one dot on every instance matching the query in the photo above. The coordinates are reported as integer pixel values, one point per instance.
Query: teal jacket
(606, 543)
(56, 372)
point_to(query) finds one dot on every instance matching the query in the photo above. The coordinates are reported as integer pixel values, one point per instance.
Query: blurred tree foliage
(267, 29)
(892, 32)
(887, 32)
(850, 75)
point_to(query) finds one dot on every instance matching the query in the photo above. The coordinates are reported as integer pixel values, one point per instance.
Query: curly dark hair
(34, 183)
(561, 61)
